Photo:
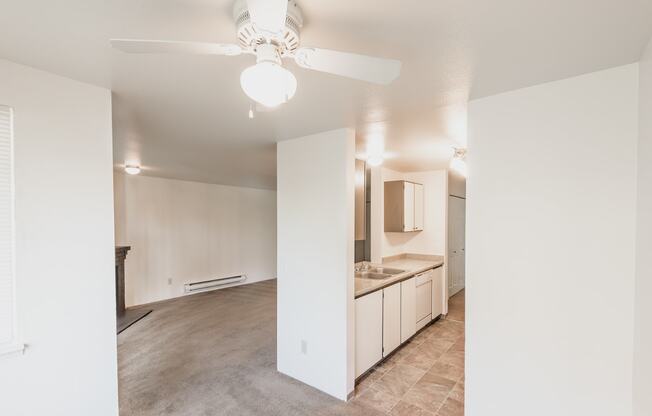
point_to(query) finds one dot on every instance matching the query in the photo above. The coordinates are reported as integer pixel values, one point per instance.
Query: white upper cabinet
(408, 206)
(418, 207)
(403, 206)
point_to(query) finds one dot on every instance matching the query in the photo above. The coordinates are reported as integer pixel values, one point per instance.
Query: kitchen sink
(376, 272)
(384, 270)
(372, 275)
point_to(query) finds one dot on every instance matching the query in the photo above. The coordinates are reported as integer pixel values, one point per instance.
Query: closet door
(456, 244)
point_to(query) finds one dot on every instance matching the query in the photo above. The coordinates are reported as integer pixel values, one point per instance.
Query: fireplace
(125, 317)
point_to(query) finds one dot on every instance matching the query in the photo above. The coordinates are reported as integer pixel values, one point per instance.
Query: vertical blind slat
(7, 306)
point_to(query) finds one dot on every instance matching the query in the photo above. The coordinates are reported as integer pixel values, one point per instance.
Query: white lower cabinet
(437, 292)
(408, 309)
(368, 331)
(391, 318)
(388, 317)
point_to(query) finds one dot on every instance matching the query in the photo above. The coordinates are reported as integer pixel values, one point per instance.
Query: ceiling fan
(270, 30)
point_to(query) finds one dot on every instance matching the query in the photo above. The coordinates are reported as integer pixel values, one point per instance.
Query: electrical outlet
(304, 346)
(170, 282)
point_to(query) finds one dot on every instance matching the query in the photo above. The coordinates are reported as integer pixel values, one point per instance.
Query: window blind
(7, 306)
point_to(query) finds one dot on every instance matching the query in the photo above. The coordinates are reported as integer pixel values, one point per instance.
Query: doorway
(456, 243)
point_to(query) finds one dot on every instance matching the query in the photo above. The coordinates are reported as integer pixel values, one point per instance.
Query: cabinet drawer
(424, 277)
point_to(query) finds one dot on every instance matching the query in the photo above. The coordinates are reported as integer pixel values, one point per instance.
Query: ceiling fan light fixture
(268, 83)
(375, 160)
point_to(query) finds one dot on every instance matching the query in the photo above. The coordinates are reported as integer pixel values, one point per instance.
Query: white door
(408, 206)
(408, 309)
(368, 331)
(456, 244)
(418, 207)
(391, 318)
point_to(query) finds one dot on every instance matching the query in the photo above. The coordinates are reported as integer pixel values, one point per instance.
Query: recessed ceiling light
(132, 170)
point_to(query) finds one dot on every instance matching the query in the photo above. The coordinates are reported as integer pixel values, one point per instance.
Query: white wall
(432, 240)
(315, 197)
(456, 184)
(643, 322)
(64, 248)
(550, 248)
(191, 231)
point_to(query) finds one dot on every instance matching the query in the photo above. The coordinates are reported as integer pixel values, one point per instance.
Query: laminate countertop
(411, 266)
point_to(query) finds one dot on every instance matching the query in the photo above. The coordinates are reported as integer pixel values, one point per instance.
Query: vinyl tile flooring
(426, 376)
(214, 354)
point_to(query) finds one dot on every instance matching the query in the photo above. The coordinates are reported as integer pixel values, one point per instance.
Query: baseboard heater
(213, 284)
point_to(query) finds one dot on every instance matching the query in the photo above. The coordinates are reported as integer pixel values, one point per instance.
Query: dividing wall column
(315, 225)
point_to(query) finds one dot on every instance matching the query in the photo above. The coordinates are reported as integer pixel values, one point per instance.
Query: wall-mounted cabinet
(403, 206)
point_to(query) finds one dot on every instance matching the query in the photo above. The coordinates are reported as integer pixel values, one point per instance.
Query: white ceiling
(186, 117)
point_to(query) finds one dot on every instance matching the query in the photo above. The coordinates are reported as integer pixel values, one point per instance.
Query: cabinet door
(408, 206)
(418, 207)
(408, 309)
(437, 292)
(424, 300)
(391, 318)
(368, 331)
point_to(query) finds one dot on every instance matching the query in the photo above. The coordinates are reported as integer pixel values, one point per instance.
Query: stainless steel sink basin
(376, 272)
(372, 275)
(384, 270)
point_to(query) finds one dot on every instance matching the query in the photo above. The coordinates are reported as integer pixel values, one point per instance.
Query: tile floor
(424, 377)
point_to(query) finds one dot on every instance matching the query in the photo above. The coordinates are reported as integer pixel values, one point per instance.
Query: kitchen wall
(456, 184)
(182, 232)
(643, 311)
(432, 240)
(315, 337)
(550, 248)
(64, 248)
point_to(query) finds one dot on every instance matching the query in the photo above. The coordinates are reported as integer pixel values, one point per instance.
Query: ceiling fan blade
(351, 65)
(268, 16)
(170, 46)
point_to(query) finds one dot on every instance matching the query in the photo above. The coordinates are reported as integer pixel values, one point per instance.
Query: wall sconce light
(458, 162)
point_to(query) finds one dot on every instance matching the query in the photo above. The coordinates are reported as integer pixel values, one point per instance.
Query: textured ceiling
(186, 117)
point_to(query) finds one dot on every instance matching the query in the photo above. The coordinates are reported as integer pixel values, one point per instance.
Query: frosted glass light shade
(132, 170)
(268, 83)
(375, 160)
